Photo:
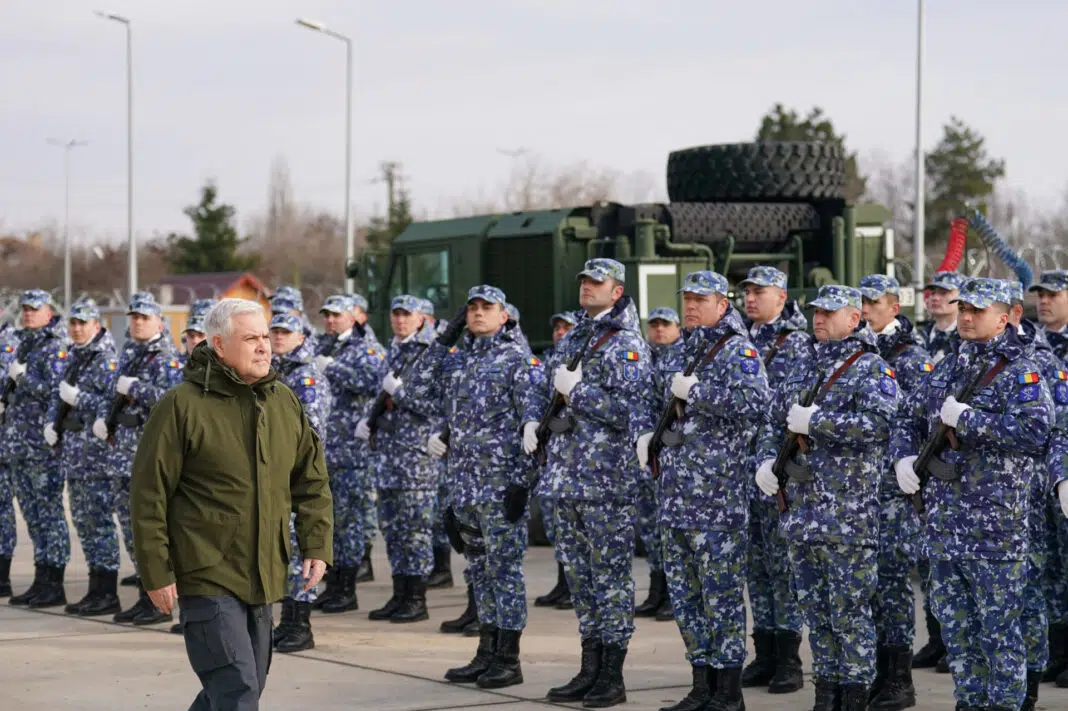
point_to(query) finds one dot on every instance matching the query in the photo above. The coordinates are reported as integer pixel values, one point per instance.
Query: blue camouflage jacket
(983, 514)
(1058, 341)
(704, 483)
(297, 370)
(940, 344)
(848, 437)
(9, 343)
(81, 453)
(25, 418)
(354, 378)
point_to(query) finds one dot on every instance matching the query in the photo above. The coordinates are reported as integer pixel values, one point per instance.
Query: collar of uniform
(342, 337)
(951, 329)
(891, 328)
(755, 328)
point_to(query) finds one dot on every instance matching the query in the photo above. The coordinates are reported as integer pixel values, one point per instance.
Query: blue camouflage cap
(405, 302)
(145, 308)
(196, 323)
(1016, 290)
(512, 311)
(764, 276)
(426, 306)
(1051, 280)
(85, 310)
(950, 281)
(142, 296)
(201, 306)
(603, 269)
(337, 304)
(663, 313)
(358, 301)
(287, 292)
(982, 292)
(284, 304)
(487, 293)
(36, 298)
(834, 297)
(289, 322)
(565, 316)
(706, 283)
(876, 286)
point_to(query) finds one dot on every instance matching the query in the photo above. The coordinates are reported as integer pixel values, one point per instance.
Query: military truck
(730, 207)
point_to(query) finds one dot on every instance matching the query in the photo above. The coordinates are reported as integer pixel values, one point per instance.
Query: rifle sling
(774, 350)
(680, 405)
(559, 424)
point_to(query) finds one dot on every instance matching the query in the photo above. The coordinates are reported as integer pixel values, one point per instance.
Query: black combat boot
(552, 597)
(1034, 680)
(788, 677)
(143, 605)
(289, 610)
(299, 636)
(564, 602)
(5, 576)
(469, 615)
(898, 691)
(51, 592)
(727, 693)
(609, 689)
(934, 650)
(366, 572)
(35, 587)
(332, 588)
(441, 575)
(469, 673)
(177, 628)
(579, 686)
(700, 692)
(943, 665)
(345, 597)
(90, 594)
(386, 611)
(657, 594)
(828, 696)
(413, 604)
(855, 697)
(666, 613)
(504, 668)
(880, 670)
(130, 581)
(472, 629)
(761, 670)
(106, 599)
(150, 614)
(1058, 652)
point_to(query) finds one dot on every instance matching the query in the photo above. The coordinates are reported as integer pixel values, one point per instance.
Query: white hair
(220, 320)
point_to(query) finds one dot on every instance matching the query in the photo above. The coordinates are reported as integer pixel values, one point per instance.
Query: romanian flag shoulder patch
(61, 355)
(632, 355)
(748, 353)
(926, 367)
(173, 363)
(1027, 378)
(112, 365)
(9, 349)
(533, 360)
(454, 349)
(887, 370)
(307, 381)
(1062, 374)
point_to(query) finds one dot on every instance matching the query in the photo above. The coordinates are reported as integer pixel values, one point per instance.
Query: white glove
(362, 430)
(681, 386)
(50, 435)
(435, 447)
(799, 417)
(124, 384)
(530, 437)
(69, 393)
(642, 448)
(2, 408)
(16, 370)
(390, 383)
(907, 480)
(952, 410)
(322, 361)
(766, 479)
(1062, 494)
(100, 429)
(565, 380)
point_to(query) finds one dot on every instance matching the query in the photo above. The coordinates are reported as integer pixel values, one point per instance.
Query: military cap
(283, 305)
(834, 297)
(196, 323)
(764, 276)
(289, 322)
(663, 313)
(705, 283)
(337, 304)
(603, 269)
(565, 316)
(142, 296)
(145, 308)
(875, 286)
(405, 302)
(358, 301)
(426, 306)
(287, 292)
(982, 292)
(36, 299)
(487, 293)
(512, 311)
(84, 311)
(1052, 280)
(950, 281)
(1016, 291)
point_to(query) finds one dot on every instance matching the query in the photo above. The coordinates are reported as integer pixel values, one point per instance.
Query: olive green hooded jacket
(219, 467)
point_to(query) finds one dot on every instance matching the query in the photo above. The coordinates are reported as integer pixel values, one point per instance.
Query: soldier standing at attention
(832, 524)
(703, 487)
(9, 343)
(976, 498)
(940, 336)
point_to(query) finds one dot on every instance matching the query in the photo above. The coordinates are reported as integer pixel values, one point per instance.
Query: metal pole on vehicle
(918, 248)
(66, 146)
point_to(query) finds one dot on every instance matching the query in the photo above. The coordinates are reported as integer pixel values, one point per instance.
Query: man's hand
(905, 472)
(125, 383)
(16, 370)
(313, 572)
(435, 447)
(391, 383)
(530, 437)
(363, 430)
(1062, 494)
(642, 449)
(766, 479)
(564, 380)
(50, 435)
(681, 385)
(952, 410)
(799, 417)
(322, 362)
(100, 429)
(165, 598)
(69, 393)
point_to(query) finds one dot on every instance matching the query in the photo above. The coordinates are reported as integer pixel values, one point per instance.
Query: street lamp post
(131, 266)
(350, 242)
(917, 247)
(67, 146)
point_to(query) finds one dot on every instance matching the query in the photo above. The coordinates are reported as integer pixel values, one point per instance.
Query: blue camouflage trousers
(39, 488)
(296, 581)
(495, 564)
(649, 525)
(979, 604)
(407, 520)
(835, 584)
(1055, 581)
(92, 507)
(440, 538)
(548, 519)
(595, 542)
(122, 508)
(349, 491)
(1034, 621)
(894, 604)
(706, 580)
(8, 535)
(769, 578)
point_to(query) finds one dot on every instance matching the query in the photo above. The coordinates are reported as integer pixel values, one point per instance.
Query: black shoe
(880, 670)
(788, 677)
(177, 628)
(441, 575)
(130, 581)
(700, 692)
(345, 597)
(105, 601)
(609, 689)
(934, 650)
(285, 622)
(504, 668)
(1034, 679)
(666, 613)
(898, 691)
(469, 615)
(472, 629)
(35, 586)
(761, 670)
(855, 697)
(90, 594)
(1058, 652)
(828, 696)
(564, 603)
(51, 592)
(331, 589)
(298, 636)
(143, 605)
(580, 685)
(151, 615)
(469, 673)
(386, 611)
(552, 597)
(727, 693)
(366, 572)
(413, 605)
(657, 594)
(943, 665)
(5, 576)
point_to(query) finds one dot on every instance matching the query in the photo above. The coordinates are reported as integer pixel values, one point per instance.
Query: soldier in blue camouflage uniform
(977, 500)
(703, 486)
(779, 332)
(85, 387)
(494, 393)
(513, 316)
(369, 512)
(34, 375)
(832, 524)
(194, 326)
(353, 365)
(9, 342)
(148, 367)
(406, 478)
(592, 475)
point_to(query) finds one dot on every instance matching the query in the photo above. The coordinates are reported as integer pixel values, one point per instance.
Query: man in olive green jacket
(225, 456)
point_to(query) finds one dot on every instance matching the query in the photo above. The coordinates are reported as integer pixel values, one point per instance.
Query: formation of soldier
(813, 471)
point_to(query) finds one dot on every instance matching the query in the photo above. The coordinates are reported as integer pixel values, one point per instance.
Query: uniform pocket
(207, 637)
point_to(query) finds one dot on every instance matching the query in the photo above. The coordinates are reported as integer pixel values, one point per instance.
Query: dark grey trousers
(229, 648)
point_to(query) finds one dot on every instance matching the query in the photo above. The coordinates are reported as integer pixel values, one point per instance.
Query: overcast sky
(223, 87)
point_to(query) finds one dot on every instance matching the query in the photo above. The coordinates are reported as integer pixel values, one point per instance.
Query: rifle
(556, 405)
(23, 352)
(791, 443)
(119, 402)
(59, 425)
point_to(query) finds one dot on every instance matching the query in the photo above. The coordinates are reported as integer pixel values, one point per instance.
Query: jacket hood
(622, 316)
(210, 374)
(906, 334)
(792, 318)
(1030, 334)
(862, 336)
(101, 342)
(731, 323)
